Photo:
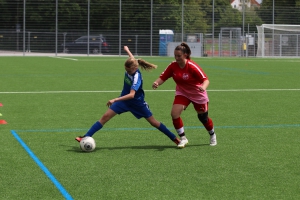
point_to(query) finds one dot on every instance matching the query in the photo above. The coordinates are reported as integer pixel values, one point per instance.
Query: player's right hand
(155, 85)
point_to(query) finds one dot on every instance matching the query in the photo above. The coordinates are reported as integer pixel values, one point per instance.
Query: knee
(153, 122)
(175, 115)
(203, 117)
(177, 110)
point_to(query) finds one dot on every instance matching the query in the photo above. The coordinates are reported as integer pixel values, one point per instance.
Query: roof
(253, 2)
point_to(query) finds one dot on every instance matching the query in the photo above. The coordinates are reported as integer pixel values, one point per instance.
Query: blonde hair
(132, 62)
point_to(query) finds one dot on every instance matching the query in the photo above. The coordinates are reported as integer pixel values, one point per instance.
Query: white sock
(211, 132)
(183, 138)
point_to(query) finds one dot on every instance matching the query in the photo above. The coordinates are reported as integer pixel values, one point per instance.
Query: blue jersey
(134, 82)
(137, 106)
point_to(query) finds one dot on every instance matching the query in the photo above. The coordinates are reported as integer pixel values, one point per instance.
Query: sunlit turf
(48, 101)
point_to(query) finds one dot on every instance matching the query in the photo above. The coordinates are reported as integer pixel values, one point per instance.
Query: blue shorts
(138, 111)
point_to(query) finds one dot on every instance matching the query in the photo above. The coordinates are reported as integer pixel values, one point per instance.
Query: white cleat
(182, 143)
(213, 140)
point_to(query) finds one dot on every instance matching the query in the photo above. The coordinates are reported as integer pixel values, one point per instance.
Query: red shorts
(182, 100)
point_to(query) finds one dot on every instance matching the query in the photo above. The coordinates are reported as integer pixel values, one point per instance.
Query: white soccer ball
(87, 144)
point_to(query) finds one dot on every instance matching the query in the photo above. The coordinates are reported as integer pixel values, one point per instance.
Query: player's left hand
(201, 89)
(110, 102)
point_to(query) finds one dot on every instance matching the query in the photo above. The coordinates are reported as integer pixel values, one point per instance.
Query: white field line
(86, 60)
(64, 58)
(231, 90)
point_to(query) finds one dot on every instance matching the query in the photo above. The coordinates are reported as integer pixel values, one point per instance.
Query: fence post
(65, 34)
(28, 43)
(100, 48)
(136, 39)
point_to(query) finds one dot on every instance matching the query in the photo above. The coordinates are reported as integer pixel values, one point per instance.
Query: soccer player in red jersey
(191, 84)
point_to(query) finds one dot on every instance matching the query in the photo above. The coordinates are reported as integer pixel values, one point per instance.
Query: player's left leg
(202, 110)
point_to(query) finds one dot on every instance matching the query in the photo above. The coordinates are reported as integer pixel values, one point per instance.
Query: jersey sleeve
(198, 72)
(137, 81)
(165, 75)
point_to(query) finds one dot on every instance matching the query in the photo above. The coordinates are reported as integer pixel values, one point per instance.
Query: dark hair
(184, 48)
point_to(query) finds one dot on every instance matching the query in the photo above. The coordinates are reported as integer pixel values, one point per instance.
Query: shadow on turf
(152, 147)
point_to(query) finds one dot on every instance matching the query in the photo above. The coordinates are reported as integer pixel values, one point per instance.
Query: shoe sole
(181, 147)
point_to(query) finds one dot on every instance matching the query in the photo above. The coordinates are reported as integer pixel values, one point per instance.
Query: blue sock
(96, 127)
(166, 131)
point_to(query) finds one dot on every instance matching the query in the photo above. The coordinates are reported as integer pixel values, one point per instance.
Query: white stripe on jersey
(135, 78)
(197, 68)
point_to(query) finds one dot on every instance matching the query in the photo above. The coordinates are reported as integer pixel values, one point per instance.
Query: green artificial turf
(48, 101)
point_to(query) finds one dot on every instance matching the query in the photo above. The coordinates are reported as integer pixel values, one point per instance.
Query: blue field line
(151, 128)
(42, 166)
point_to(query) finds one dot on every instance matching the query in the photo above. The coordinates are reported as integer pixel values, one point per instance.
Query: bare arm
(204, 86)
(128, 52)
(157, 83)
(132, 92)
(122, 98)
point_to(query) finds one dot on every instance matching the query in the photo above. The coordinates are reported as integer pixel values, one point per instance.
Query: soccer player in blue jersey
(131, 99)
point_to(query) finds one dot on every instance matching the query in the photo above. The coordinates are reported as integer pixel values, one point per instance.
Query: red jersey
(187, 80)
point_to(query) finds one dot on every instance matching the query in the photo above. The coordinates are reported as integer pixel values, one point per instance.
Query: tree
(221, 9)
(285, 12)
(195, 18)
(226, 16)
(136, 15)
(9, 12)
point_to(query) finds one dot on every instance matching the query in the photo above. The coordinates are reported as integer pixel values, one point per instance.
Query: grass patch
(48, 101)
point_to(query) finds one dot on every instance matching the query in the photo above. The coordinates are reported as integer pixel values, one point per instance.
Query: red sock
(209, 124)
(177, 123)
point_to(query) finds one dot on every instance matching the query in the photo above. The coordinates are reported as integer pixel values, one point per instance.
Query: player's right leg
(178, 124)
(180, 103)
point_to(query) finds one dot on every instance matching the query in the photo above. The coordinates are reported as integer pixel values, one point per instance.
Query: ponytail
(132, 62)
(146, 65)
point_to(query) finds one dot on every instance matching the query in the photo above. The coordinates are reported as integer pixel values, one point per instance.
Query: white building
(238, 4)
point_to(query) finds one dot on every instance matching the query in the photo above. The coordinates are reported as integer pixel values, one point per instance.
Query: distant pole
(182, 7)
(243, 16)
(24, 25)
(88, 33)
(151, 28)
(120, 19)
(273, 21)
(273, 10)
(243, 25)
(213, 27)
(56, 27)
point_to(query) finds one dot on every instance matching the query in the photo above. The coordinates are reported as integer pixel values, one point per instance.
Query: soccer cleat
(79, 138)
(213, 140)
(182, 143)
